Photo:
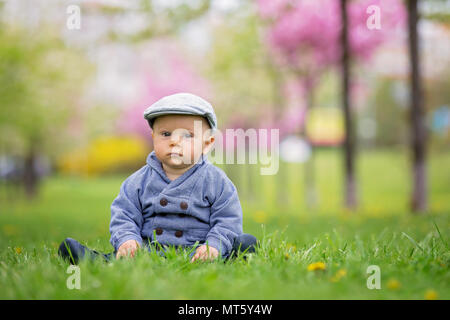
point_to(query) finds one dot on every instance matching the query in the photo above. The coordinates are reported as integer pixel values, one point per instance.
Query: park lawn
(410, 250)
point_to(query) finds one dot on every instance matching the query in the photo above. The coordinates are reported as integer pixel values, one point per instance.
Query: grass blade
(440, 235)
(413, 241)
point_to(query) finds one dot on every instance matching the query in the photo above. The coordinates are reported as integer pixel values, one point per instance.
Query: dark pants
(74, 251)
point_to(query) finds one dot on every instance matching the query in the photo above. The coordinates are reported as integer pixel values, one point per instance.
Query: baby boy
(178, 198)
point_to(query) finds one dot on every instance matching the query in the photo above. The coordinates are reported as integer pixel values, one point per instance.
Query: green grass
(410, 249)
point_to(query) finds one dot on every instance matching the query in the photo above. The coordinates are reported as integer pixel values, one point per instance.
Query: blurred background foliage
(41, 82)
(72, 100)
(104, 155)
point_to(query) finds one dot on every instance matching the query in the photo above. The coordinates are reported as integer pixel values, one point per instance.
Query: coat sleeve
(126, 214)
(226, 217)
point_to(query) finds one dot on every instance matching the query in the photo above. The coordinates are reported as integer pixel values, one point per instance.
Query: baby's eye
(188, 135)
(165, 134)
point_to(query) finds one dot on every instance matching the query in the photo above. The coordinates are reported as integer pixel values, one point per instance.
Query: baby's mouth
(175, 154)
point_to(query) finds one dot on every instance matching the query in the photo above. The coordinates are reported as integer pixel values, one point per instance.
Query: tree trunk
(349, 144)
(30, 177)
(310, 177)
(418, 130)
(279, 105)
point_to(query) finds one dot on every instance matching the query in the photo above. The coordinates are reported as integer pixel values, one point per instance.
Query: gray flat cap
(181, 103)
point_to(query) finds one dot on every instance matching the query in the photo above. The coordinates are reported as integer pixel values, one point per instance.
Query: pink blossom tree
(306, 37)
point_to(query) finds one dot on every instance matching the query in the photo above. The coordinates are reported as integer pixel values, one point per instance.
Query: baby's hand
(204, 253)
(127, 248)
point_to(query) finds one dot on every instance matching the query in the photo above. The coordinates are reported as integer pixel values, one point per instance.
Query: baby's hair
(150, 122)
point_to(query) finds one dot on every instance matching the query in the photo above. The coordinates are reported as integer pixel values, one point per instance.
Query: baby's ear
(209, 143)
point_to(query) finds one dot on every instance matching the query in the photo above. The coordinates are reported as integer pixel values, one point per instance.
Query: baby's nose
(175, 139)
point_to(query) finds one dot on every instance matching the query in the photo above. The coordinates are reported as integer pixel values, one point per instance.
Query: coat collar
(156, 164)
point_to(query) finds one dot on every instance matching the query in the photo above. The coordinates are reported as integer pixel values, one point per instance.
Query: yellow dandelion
(9, 230)
(316, 266)
(339, 275)
(393, 284)
(430, 294)
(260, 216)
(291, 246)
(18, 250)
(287, 256)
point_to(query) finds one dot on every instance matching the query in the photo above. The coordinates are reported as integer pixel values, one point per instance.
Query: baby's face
(177, 145)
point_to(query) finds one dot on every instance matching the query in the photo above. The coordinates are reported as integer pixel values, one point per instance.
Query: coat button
(159, 231)
(178, 233)
(183, 205)
(163, 202)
